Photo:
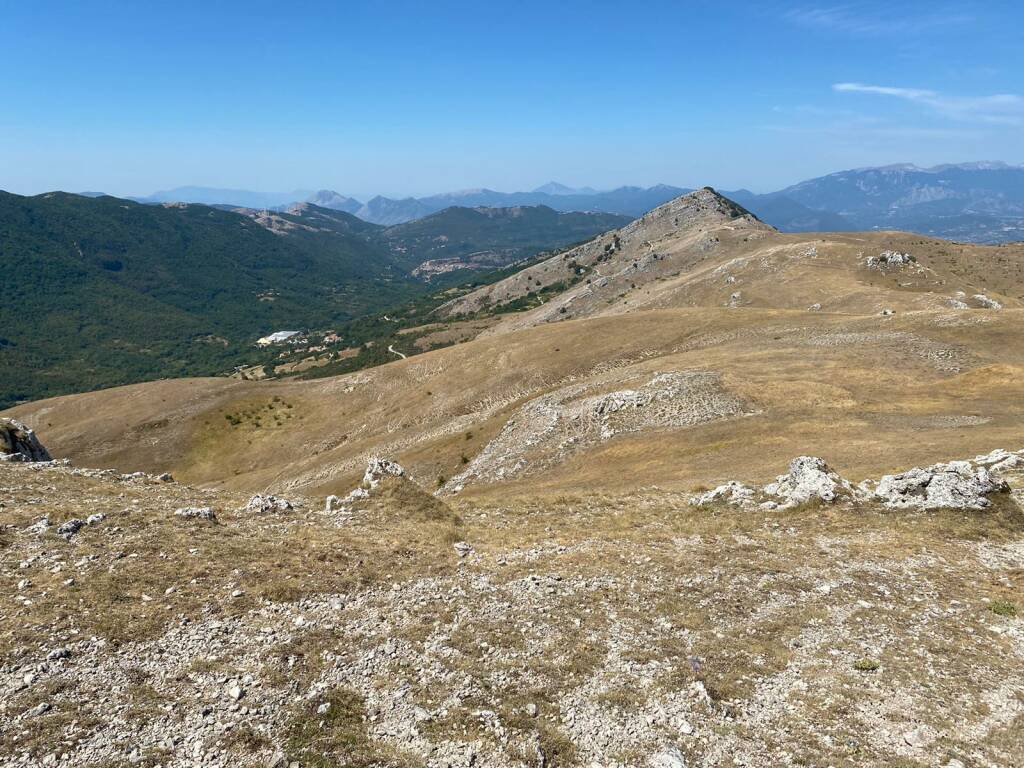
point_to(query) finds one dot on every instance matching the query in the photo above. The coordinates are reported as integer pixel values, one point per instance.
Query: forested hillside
(103, 291)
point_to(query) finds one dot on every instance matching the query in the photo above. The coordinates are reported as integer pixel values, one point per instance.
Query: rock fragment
(70, 528)
(196, 513)
(267, 503)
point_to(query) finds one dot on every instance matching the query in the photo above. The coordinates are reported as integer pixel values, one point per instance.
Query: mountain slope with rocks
(643, 628)
(703, 250)
(755, 500)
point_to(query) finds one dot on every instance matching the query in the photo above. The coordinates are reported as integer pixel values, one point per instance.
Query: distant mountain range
(973, 202)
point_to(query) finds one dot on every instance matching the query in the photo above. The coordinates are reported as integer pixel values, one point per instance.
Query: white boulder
(809, 478)
(268, 503)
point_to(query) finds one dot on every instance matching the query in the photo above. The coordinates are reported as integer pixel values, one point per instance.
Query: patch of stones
(549, 429)
(437, 698)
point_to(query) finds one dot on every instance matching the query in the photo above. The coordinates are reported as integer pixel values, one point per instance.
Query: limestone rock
(670, 757)
(809, 479)
(19, 443)
(955, 485)
(196, 513)
(890, 260)
(1001, 460)
(732, 492)
(268, 503)
(378, 468)
(70, 528)
(986, 302)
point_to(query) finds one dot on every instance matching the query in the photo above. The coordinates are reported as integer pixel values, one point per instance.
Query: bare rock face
(809, 479)
(19, 443)
(956, 485)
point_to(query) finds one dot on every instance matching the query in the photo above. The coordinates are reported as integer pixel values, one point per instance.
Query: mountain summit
(672, 237)
(554, 188)
(327, 198)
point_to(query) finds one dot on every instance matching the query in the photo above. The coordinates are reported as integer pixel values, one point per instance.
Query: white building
(280, 337)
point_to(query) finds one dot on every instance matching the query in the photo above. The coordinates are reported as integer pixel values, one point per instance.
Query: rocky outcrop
(986, 302)
(734, 493)
(378, 468)
(809, 479)
(267, 503)
(956, 485)
(19, 443)
(953, 485)
(1000, 460)
(196, 513)
(890, 260)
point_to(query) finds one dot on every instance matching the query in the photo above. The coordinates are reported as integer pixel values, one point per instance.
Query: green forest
(99, 292)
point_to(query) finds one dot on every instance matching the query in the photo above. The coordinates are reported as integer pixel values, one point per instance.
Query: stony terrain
(641, 629)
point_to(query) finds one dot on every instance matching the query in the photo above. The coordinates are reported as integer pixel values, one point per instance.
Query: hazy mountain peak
(556, 188)
(327, 198)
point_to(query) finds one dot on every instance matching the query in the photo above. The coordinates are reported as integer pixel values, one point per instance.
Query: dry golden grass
(869, 393)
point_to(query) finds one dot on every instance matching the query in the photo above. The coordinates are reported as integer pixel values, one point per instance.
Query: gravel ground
(606, 631)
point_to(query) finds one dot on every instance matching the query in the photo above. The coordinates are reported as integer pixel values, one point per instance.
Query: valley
(102, 291)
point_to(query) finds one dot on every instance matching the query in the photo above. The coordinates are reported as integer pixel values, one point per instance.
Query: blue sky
(419, 97)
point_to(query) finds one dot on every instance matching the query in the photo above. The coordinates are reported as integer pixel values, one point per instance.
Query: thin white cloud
(868, 19)
(998, 109)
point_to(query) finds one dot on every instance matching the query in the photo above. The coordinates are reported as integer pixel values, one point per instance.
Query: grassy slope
(869, 392)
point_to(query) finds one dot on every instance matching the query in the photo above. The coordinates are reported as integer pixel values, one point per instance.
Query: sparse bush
(1003, 608)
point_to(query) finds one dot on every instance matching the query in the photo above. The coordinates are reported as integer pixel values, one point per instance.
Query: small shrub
(1003, 608)
(866, 665)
